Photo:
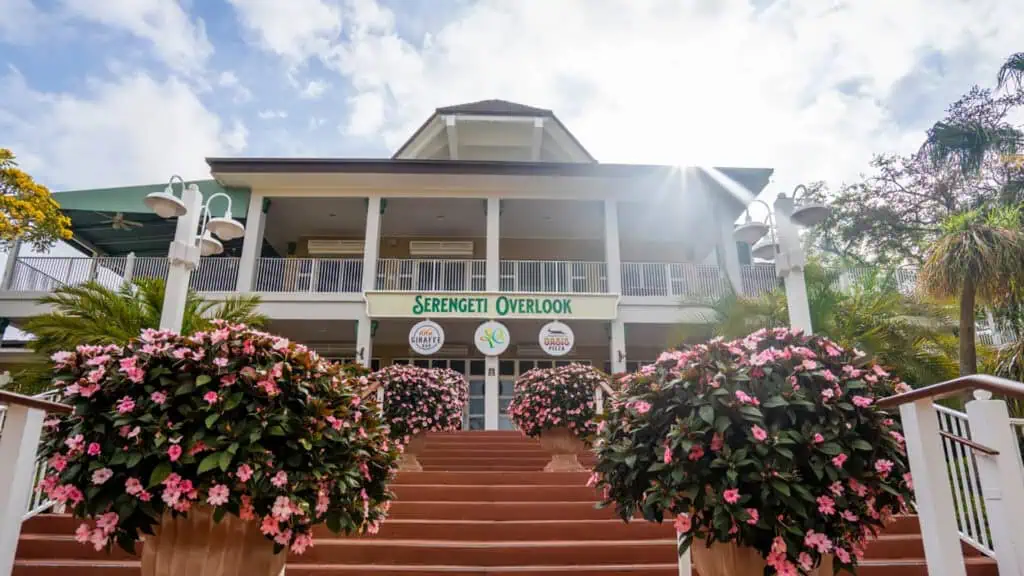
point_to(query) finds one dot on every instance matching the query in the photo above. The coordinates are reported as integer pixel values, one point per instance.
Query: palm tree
(1012, 71)
(94, 314)
(912, 336)
(978, 257)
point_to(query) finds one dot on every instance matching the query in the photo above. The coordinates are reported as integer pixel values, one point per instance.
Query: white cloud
(314, 89)
(295, 30)
(127, 131)
(272, 114)
(725, 83)
(178, 40)
(21, 21)
(228, 79)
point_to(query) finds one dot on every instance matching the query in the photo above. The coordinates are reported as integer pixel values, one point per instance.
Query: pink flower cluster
(419, 400)
(796, 419)
(561, 397)
(213, 419)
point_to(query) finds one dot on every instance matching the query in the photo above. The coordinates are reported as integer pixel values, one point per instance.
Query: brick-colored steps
(481, 506)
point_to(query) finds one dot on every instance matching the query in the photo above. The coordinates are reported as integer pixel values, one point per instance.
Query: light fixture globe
(209, 246)
(810, 214)
(764, 250)
(165, 204)
(226, 228)
(750, 232)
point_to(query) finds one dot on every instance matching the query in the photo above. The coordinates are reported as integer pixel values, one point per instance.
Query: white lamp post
(783, 245)
(193, 238)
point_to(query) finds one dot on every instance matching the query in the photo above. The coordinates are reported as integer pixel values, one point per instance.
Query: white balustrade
(962, 469)
(316, 275)
(559, 276)
(215, 275)
(430, 275)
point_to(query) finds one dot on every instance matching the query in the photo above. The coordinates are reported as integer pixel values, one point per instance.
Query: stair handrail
(19, 442)
(1000, 471)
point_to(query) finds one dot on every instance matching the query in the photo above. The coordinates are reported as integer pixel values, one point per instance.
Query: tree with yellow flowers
(28, 211)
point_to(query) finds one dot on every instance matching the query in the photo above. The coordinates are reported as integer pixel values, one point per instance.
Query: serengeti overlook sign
(491, 305)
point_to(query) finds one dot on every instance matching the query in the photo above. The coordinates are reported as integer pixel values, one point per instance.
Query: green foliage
(94, 314)
(239, 420)
(419, 400)
(560, 397)
(764, 441)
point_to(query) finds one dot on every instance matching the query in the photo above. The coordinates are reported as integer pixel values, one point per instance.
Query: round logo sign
(491, 338)
(426, 338)
(556, 339)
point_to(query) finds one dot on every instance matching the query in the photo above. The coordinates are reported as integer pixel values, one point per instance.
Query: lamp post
(783, 245)
(193, 238)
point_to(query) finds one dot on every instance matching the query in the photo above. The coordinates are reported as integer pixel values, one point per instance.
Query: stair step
(499, 511)
(485, 478)
(476, 493)
(495, 467)
(501, 459)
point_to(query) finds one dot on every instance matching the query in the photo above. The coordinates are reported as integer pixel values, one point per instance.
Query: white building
(490, 211)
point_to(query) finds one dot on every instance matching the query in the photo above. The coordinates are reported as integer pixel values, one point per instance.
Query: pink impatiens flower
(862, 401)
(731, 495)
(218, 495)
(244, 472)
(641, 407)
(668, 455)
(102, 475)
(826, 506)
(759, 433)
(174, 452)
(682, 523)
(94, 449)
(280, 479)
(818, 438)
(158, 397)
(132, 486)
(125, 405)
(302, 541)
(754, 516)
(211, 397)
(883, 467)
(839, 460)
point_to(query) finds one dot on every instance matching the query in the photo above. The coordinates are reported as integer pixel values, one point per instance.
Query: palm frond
(1011, 71)
(969, 143)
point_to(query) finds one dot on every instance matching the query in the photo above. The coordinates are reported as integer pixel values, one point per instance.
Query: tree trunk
(968, 352)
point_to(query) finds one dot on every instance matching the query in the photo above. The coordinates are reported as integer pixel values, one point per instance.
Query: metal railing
(962, 468)
(563, 276)
(318, 275)
(408, 275)
(701, 282)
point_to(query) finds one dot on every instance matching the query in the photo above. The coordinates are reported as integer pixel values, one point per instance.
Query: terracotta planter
(728, 559)
(564, 447)
(197, 546)
(409, 461)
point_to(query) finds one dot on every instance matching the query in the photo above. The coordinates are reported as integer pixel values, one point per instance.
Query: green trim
(130, 199)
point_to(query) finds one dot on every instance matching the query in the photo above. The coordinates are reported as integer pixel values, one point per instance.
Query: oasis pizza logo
(556, 339)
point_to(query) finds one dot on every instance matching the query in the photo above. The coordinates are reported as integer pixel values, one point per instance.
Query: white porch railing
(21, 424)
(431, 275)
(967, 471)
(318, 275)
(565, 276)
(44, 274)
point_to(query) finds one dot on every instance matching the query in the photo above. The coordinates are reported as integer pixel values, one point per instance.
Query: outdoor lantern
(750, 232)
(165, 204)
(810, 214)
(225, 227)
(209, 246)
(765, 250)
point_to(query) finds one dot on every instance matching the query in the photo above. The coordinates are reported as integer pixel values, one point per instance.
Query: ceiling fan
(119, 222)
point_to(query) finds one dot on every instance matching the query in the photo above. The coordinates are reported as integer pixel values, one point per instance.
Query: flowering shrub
(561, 397)
(420, 400)
(242, 421)
(772, 442)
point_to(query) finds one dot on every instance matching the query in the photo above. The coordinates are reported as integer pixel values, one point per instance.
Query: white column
(364, 340)
(728, 255)
(789, 264)
(493, 282)
(611, 247)
(491, 392)
(183, 256)
(18, 446)
(617, 346)
(931, 489)
(371, 246)
(252, 244)
(1002, 480)
(9, 265)
(129, 268)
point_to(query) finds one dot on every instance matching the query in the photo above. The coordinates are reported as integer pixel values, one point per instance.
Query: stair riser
(493, 478)
(393, 553)
(495, 493)
(494, 511)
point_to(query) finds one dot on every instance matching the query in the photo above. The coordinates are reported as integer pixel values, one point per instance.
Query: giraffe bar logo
(426, 338)
(491, 338)
(488, 305)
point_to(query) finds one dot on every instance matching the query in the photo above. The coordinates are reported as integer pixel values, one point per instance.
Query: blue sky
(121, 92)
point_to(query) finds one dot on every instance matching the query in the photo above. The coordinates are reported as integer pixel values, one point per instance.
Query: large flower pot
(195, 545)
(409, 461)
(728, 559)
(564, 447)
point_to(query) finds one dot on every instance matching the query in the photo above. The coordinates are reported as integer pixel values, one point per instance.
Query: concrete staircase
(481, 506)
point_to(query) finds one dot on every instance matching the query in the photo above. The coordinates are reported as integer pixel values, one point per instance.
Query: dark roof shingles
(495, 107)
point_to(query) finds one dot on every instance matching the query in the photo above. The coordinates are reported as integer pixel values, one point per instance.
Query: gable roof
(495, 107)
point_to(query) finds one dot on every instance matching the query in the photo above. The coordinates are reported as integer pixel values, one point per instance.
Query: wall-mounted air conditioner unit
(435, 248)
(334, 247)
(447, 351)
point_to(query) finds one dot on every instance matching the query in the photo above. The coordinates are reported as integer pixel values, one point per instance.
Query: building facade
(492, 242)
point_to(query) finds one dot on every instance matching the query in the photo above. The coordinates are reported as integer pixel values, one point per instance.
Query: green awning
(92, 213)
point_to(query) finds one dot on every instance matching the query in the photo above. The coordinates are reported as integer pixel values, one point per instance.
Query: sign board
(556, 339)
(491, 338)
(487, 305)
(426, 338)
